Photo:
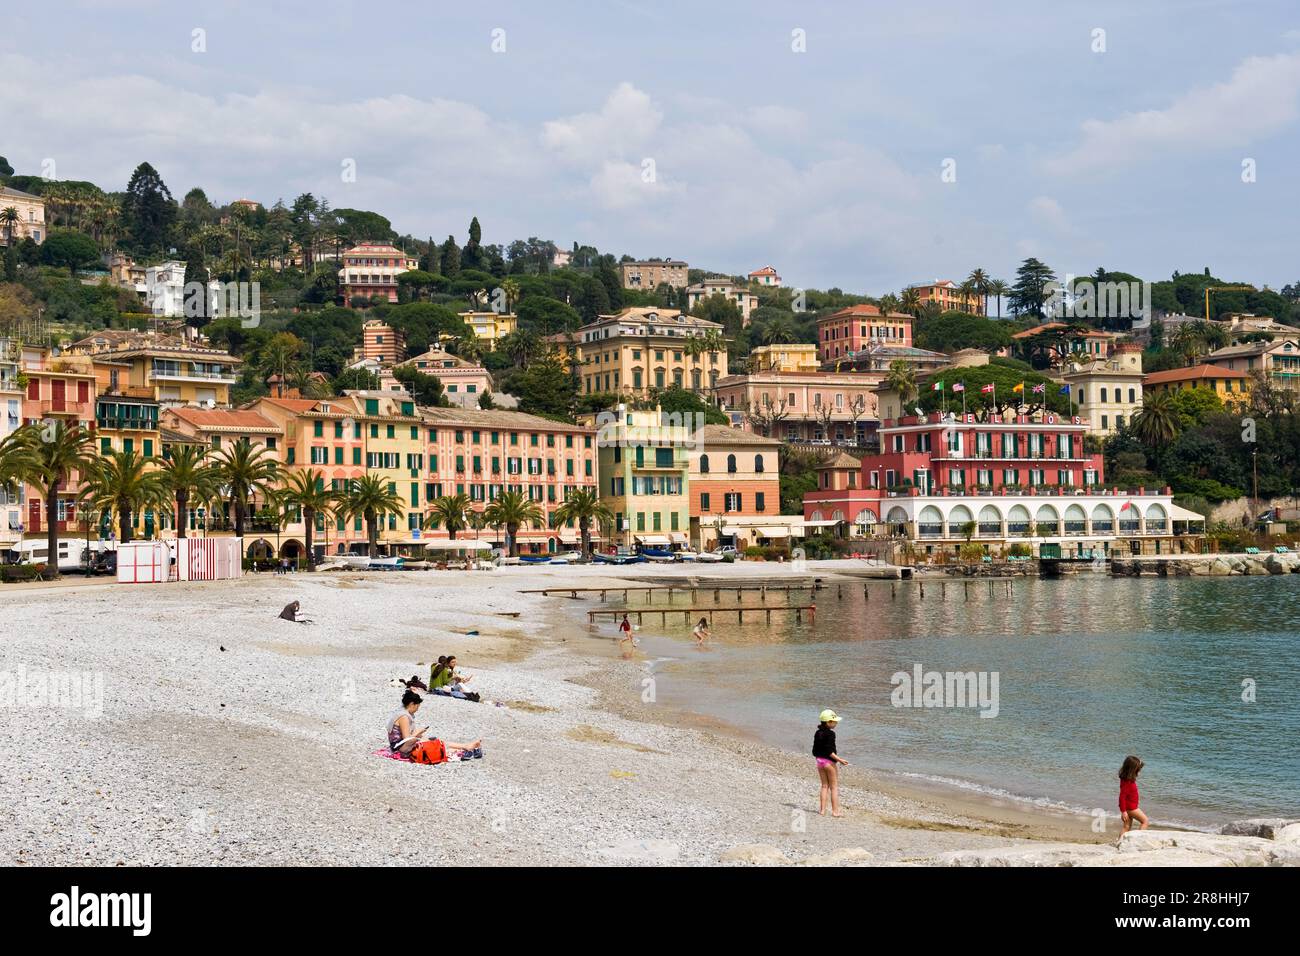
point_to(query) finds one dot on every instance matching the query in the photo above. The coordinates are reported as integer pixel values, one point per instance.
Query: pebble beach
(226, 736)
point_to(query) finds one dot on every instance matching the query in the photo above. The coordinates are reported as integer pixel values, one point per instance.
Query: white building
(165, 290)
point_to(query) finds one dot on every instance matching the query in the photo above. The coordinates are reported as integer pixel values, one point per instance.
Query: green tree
(902, 379)
(451, 512)
(188, 476)
(450, 258)
(196, 281)
(1157, 422)
(583, 506)
(370, 498)
(246, 471)
(53, 453)
(305, 492)
(1029, 293)
(67, 247)
(426, 389)
(997, 289)
(148, 211)
(512, 510)
(123, 483)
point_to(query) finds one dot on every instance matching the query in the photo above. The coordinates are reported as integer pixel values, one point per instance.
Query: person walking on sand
(701, 632)
(625, 629)
(828, 763)
(1128, 793)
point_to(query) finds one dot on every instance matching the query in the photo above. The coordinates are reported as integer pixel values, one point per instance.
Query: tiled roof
(1195, 373)
(726, 434)
(842, 460)
(209, 418)
(491, 417)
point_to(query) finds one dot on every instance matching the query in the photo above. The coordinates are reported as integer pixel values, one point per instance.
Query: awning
(820, 524)
(677, 537)
(460, 544)
(652, 539)
(774, 532)
(1182, 514)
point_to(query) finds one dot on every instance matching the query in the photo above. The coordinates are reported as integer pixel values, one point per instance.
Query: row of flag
(1040, 388)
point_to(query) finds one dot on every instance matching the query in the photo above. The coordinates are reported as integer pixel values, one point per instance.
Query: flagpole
(963, 401)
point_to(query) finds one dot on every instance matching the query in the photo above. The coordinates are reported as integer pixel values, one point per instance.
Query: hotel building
(849, 331)
(821, 408)
(371, 269)
(999, 481)
(644, 468)
(1108, 392)
(733, 474)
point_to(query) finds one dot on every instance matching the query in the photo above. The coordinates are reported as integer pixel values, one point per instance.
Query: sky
(863, 146)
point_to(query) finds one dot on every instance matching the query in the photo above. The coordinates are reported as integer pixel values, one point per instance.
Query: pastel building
(1278, 361)
(12, 498)
(463, 382)
(733, 474)
(166, 368)
(739, 296)
(1108, 392)
(380, 343)
(644, 469)
(491, 327)
(998, 481)
(648, 275)
(838, 408)
(31, 216)
(1230, 385)
(786, 357)
(949, 297)
(765, 276)
(371, 269)
(849, 331)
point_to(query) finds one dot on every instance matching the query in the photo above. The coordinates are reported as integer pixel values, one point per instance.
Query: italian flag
(937, 386)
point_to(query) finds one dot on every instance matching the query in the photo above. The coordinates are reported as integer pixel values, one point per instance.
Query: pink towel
(392, 755)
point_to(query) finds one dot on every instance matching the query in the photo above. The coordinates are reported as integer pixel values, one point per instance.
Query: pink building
(858, 328)
(371, 269)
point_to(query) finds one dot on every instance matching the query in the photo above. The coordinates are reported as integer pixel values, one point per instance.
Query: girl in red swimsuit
(1128, 793)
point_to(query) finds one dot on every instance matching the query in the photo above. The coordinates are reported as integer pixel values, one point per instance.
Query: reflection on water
(1090, 669)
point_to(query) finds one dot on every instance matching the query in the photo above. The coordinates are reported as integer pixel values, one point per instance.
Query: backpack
(430, 751)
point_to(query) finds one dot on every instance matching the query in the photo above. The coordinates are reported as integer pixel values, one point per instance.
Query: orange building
(860, 327)
(949, 297)
(733, 473)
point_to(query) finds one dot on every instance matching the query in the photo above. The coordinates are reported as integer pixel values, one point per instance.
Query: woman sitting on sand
(450, 681)
(290, 613)
(402, 735)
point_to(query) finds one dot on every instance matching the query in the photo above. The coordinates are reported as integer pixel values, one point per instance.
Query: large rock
(1288, 835)
(1220, 566)
(1040, 854)
(1264, 827)
(755, 854)
(1143, 848)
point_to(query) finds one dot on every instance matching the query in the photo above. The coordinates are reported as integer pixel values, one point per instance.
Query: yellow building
(784, 358)
(641, 350)
(644, 471)
(164, 367)
(491, 327)
(31, 216)
(1232, 386)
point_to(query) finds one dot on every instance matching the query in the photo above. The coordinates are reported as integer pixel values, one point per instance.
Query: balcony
(215, 378)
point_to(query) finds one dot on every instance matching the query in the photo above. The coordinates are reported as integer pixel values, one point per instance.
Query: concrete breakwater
(1206, 565)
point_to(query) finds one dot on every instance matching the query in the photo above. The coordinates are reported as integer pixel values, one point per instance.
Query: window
(760, 501)
(704, 501)
(731, 464)
(704, 464)
(734, 500)
(758, 463)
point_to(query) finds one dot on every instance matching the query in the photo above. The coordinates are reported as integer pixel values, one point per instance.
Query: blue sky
(825, 163)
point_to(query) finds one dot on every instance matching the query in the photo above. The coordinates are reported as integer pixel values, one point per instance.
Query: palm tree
(451, 512)
(122, 483)
(888, 304)
(370, 498)
(910, 301)
(244, 472)
(584, 506)
(902, 379)
(306, 491)
(187, 474)
(9, 216)
(779, 331)
(978, 280)
(511, 510)
(998, 288)
(54, 452)
(1156, 423)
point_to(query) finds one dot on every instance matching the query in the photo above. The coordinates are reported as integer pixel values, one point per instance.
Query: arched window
(758, 463)
(704, 464)
(731, 464)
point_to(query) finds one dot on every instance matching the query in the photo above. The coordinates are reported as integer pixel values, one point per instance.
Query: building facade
(733, 474)
(371, 269)
(830, 408)
(491, 327)
(739, 296)
(649, 275)
(1232, 387)
(800, 357)
(644, 469)
(766, 276)
(1278, 361)
(380, 343)
(1108, 392)
(31, 216)
(464, 383)
(163, 367)
(949, 297)
(643, 349)
(845, 333)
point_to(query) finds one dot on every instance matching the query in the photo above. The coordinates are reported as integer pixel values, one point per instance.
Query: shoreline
(229, 736)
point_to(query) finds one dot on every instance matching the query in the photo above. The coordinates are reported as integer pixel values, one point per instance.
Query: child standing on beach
(828, 762)
(625, 630)
(1128, 793)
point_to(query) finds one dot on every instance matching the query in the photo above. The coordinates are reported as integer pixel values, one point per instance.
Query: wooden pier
(708, 612)
(649, 591)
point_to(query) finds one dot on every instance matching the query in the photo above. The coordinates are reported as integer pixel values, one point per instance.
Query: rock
(1042, 854)
(1263, 827)
(1227, 850)
(1144, 848)
(645, 851)
(1220, 566)
(845, 856)
(1288, 834)
(755, 854)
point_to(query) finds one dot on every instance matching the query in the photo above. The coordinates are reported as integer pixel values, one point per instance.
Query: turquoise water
(1089, 669)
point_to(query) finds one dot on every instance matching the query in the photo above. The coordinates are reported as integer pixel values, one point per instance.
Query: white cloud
(627, 120)
(1259, 99)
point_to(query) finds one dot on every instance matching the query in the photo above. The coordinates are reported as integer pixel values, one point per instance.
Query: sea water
(1200, 677)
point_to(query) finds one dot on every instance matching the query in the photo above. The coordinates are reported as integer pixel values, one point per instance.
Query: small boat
(619, 558)
(358, 561)
(659, 554)
(386, 564)
(535, 558)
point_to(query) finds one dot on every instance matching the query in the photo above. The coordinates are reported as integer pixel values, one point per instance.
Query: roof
(842, 460)
(726, 434)
(1251, 348)
(765, 271)
(1196, 373)
(109, 340)
(498, 418)
(1053, 326)
(19, 194)
(212, 418)
(862, 310)
(440, 355)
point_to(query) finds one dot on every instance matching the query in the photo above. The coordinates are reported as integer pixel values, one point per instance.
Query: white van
(72, 552)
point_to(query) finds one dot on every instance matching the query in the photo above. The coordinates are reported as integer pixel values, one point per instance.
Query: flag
(959, 387)
(990, 387)
(1127, 505)
(1019, 388)
(937, 386)
(1039, 387)
(1065, 389)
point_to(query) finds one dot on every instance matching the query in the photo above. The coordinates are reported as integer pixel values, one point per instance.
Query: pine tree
(450, 258)
(148, 210)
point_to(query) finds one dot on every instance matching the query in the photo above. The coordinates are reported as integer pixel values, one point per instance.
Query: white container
(143, 562)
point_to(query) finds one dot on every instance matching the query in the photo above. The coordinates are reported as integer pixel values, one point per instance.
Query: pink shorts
(823, 762)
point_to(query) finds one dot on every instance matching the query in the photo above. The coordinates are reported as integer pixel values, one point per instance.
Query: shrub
(12, 573)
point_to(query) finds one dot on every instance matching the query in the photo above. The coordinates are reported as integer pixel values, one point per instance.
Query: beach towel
(391, 755)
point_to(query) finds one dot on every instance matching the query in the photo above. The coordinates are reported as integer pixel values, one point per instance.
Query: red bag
(430, 751)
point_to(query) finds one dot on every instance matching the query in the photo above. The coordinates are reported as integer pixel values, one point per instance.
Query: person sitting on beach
(448, 681)
(439, 676)
(1128, 793)
(828, 762)
(701, 631)
(403, 737)
(290, 613)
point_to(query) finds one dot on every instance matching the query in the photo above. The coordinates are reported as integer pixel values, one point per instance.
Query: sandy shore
(230, 736)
